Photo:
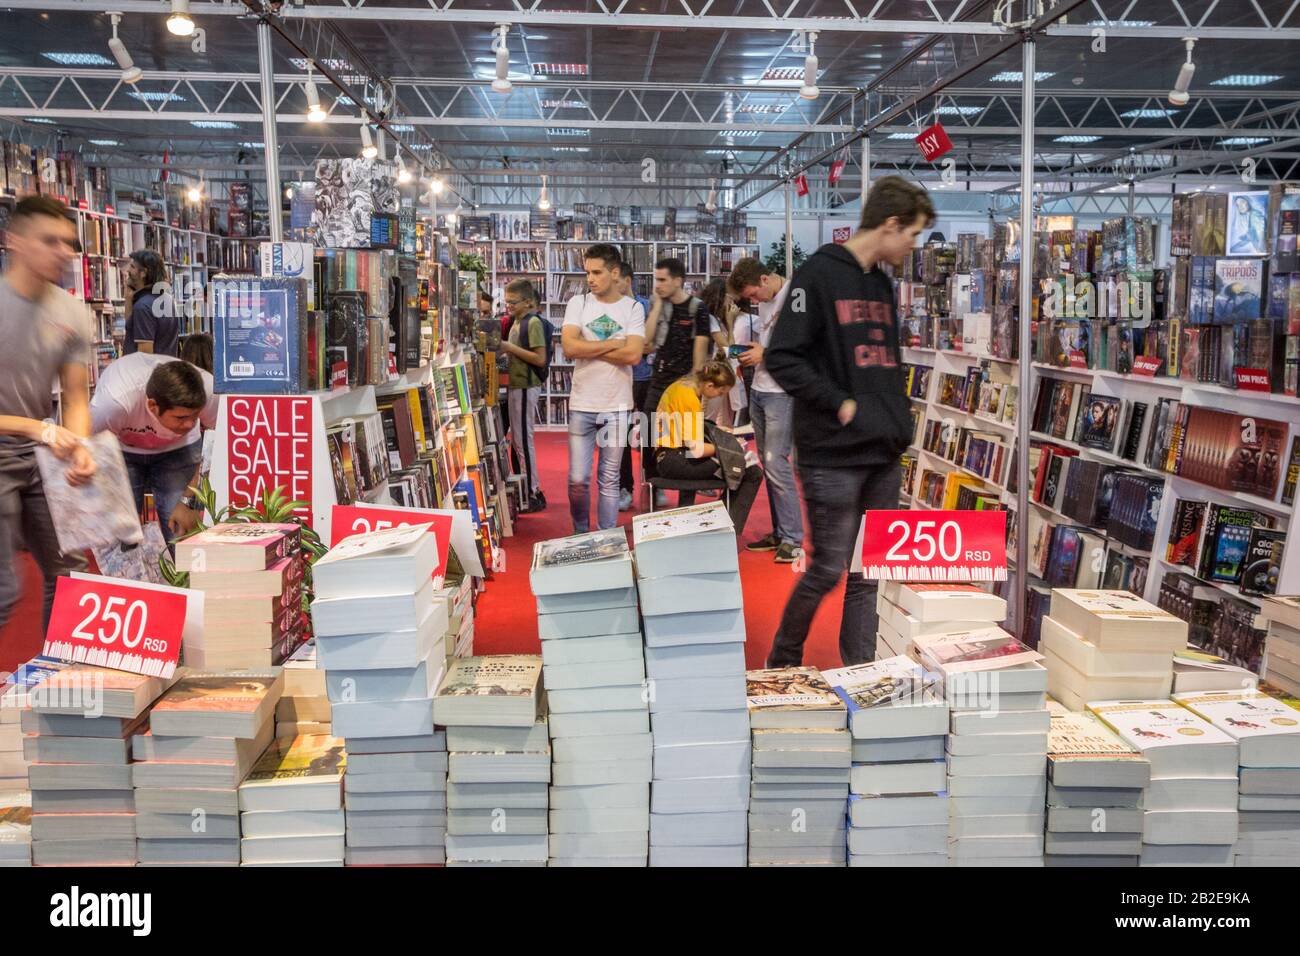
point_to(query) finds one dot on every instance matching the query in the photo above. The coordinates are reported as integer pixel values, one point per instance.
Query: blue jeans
(837, 499)
(166, 475)
(604, 433)
(772, 414)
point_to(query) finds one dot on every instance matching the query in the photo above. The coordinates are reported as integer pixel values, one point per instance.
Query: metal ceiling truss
(1217, 19)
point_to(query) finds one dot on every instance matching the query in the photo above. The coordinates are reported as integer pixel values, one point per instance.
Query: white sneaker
(625, 501)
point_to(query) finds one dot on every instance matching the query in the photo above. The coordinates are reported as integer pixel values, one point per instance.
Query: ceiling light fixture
(403, 174)
(131, 74)
(436, 186)
(368, 148)
(180, 23)
(809, 89)
(195, 193)
(502, 82)
(1178, 95)
(315, 112)
(543, 198)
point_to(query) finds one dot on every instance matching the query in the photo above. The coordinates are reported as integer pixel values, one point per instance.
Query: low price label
(1147, 365)
(349, 520)
(935, 546)
(110, 622)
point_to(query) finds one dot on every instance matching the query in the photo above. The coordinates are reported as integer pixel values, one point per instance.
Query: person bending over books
(682, 449)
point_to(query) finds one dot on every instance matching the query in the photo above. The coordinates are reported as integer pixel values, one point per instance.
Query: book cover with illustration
(500, 675)
(1262, 566)
(218, 693)
(680, 522)
(98, 514)
(892, 681)
(310, 756)
(1100, 419)
(790, 688)
(1082, 738)
(986, 648)
(1242, 714)
(259, 329)
(1151, 724)
(1247, 224)
(1238, 290)
(581, 548)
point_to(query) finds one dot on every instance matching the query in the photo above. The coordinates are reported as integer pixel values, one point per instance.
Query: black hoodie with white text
(837, 339)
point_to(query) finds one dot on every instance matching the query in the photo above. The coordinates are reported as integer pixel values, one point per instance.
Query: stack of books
(252, 578)
(694, 619)
(204, 736)
(1108, 645)
(1267, 732)
(1095, 787)
(79, 751)
(1189, 815)
(291, 803)
(1198, 670)
(802, 760)
(499, 772)
(593, 666)
(14, 690)
(898, 800)
(381, 640)
(907, 611)
(15, 828)
(997, 747)
(304, 710)
(1282, 644)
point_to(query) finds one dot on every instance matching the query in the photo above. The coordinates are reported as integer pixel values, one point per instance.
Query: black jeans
(674, 464)
(837, 499)
(626, 480)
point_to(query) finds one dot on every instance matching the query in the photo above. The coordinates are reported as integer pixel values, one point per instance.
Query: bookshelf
(555, 268)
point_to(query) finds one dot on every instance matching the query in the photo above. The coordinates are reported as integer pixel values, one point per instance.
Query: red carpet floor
(507, 614)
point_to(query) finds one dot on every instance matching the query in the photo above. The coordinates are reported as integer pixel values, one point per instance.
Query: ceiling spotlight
(1178, 95)
(543, 198)
(315, 113)
(711, 204)
(180, 22)
(403, 174)
(454, 217)
(368, 148)
(195, 193)
(437, 186)
(131, 74)
(502, 82)
(809, 89)
(288, 192)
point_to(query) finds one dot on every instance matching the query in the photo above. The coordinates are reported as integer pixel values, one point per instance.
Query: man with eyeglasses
(526, 347)
(46, 336)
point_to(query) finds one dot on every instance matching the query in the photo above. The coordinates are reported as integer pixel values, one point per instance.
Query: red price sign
(110, 622)
(933, 142)
(1147, 365)
(349, 520)
(935, 546)
(1078, 359)
(1253, 380)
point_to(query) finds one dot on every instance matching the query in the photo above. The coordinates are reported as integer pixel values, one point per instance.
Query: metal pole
(269, 142)
(866, 169)
(789, 229)
(1132, 195)
(1027, 246)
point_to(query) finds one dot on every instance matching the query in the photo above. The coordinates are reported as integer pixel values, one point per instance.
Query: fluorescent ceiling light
(567, 131)
(537, 36)
(214, 124)
(420, 146)
(153, 96)
(1121, 23)
(563, 104)
(1247, 79)
(251, 145)
(39, 119)
(717, 152)
(559, 69)
(1243, 140)
(571, 149)
(761, 108)
(958, 110)
(765, 53)
(78, 59)
(339, 65)
(1076, 138)
(1015, 76)
(1148, 113)
(901, 136)
(739, 132)
(401, 127)
(105, 142)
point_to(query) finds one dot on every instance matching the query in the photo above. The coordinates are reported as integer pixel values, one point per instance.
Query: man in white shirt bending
(603, 333)
(771, 411)
(154, 405)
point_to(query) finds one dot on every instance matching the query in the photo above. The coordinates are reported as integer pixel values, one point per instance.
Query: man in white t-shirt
(771, 411)
(154, 405)
(603, 333)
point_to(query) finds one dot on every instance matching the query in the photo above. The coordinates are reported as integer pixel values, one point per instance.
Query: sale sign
(937, 546)
(269, 445)
(837, 170)
(125, 625)
(933, 142)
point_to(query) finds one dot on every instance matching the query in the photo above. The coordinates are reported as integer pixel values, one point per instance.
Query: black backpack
(549, 331)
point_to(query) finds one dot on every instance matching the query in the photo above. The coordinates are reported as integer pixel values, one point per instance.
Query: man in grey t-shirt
(46, 339)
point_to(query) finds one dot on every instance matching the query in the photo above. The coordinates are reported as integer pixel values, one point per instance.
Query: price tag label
(1252, 379)
(349, 520)
(1147, 365)
(935, 546)
(1078, 359)
(111, 622)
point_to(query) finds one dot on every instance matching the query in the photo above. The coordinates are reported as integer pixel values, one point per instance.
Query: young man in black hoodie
(835, 351)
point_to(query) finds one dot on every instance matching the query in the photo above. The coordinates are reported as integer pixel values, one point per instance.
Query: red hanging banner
(837, 170)
(933, 142)
(801, 184)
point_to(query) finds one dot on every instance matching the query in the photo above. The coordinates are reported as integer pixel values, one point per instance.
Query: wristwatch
(192, 502)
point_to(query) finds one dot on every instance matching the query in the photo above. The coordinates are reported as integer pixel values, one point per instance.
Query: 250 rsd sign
(935, 546)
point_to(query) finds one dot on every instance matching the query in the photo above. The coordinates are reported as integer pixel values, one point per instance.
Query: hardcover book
(260, 336)
(1238, 290)
(1100, 418)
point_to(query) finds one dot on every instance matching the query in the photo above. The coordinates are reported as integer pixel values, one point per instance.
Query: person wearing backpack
(678, 328)
(528, 345)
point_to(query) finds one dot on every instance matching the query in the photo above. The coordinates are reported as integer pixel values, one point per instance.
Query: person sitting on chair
(682, 451)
